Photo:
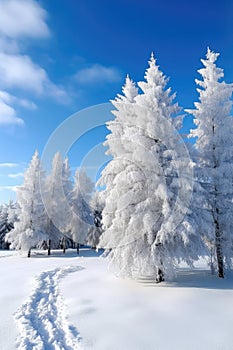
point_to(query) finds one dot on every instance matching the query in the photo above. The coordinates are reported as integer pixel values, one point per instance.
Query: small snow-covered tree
(66, 181)
(67, 190)
(13, 211)
(7, 220)
(146, 181)
(80, 204)
(29, 230)
(55, 201)
(214, 145)
(95, 231)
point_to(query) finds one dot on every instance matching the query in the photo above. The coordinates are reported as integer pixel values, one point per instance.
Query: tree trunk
(212, 269)
(218, 233)
(29, 253)
(160, 276)
(160, 273)
(64, 245)
(219, 254)
(77, 248)
(49, 247)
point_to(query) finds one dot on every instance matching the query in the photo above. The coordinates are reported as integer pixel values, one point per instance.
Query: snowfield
(69, 302)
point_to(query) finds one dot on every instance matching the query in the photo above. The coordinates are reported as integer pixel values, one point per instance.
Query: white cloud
(98, 73)
(23, 19)
(9, 188)
(8, 115)
(8, 165)
(26, 103)
(19, 71)
(19, 20)
(11, 99)
(16, 175)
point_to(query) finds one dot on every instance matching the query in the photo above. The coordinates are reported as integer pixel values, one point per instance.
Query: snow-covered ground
(69, 302)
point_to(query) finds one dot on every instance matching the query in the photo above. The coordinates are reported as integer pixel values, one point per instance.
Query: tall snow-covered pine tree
(80, 207)
(29, 231)
(214, 145)
(144, 180)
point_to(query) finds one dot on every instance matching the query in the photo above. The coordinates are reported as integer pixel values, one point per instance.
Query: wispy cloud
(19, 21)
(8, 113)
(8, 188)
(8, 165)
(25, 103)
(97, 73)
(15, 176)
(15, 67)
(24, 18)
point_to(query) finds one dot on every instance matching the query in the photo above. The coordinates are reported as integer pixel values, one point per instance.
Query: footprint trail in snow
(42, 319)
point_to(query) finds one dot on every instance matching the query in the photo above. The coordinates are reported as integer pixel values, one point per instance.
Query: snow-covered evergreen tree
(67, 191)
(80, 205)
(118, 150)
(146, 181)
(95, 231)
(124, 182)
(29, 230)
(66, 179)
(214, 147)
(7, 220)
(55, 202)
(174, 237)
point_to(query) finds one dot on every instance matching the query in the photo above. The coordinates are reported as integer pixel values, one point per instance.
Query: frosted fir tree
(55, 202)
(80, 206)
(29, 230)
(214, 145)
(145, 181)
(67, 190)
(117, 147)
(5, 226)
(95, 231)
(127, 206)
(116, 178)
(7, 220)
(13, 211)
(173, 238)
(66, 179)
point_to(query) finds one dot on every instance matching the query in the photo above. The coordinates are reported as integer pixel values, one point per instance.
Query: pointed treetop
(36, 154)
(152, 60)
(210, 73)
(128, 82)
(57, 157)
(35, 160)
(66, 167)
(153, 75)
(66, 163)
(130, 91)
(211, 55)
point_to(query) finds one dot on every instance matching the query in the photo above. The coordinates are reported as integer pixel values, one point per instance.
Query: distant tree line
(40, 218)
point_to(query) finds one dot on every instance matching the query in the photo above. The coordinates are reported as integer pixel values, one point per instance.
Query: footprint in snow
(42, 320)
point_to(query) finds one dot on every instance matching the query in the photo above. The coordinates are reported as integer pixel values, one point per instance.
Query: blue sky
(58, 57)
